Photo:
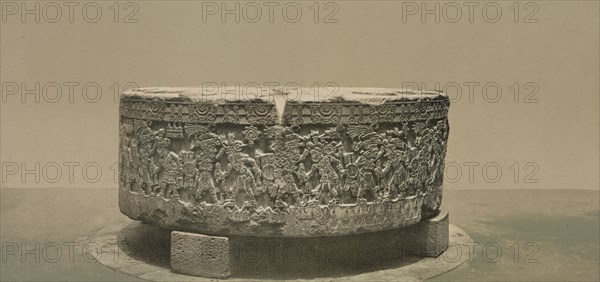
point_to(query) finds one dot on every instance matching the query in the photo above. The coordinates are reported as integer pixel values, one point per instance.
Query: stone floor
(520, 234)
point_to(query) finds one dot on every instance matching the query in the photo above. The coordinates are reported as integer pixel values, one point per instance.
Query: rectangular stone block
(200, 255)
(434, 234)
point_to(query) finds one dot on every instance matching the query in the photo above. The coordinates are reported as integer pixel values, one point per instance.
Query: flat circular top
(256, 92)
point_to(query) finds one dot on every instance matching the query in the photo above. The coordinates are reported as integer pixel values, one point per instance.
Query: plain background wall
(554, 140)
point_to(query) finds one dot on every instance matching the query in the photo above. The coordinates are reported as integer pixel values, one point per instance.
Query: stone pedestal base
(431, 236)
(219, 257)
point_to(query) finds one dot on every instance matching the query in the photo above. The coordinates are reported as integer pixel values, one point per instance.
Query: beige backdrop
(548, 139)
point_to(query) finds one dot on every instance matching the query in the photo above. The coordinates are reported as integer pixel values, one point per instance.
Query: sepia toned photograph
(305, 140)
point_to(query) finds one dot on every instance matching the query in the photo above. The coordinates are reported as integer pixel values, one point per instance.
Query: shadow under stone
(285, 258)
(146, 243)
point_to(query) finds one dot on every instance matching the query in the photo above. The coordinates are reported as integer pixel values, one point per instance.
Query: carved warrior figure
(190, 172)
(169, 167)
(206, 147)
(327, 180)
(289, 189)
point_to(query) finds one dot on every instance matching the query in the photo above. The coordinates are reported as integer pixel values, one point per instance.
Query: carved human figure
(124, 156)
(271, 190)
(367, 189)
(205, 187)
(398, 181)
(170, 168)
(349, 190)
(129, 171)
(244, 183)
(241, 170)
(207, 149)
(157, 147)
(350, 173)
(326, 188)
(267, 192)
(136, 166)
(422, 167)
(289, 189)
(370, 171)
(303, 179)
(126, 168)
(146, 150)
(189, 176)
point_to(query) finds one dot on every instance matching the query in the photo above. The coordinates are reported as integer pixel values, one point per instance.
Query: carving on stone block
(340, 165)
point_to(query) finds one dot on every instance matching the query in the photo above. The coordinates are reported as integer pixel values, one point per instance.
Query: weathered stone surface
(437, 235)
(228, 163)
(200, 255)
(430, 235)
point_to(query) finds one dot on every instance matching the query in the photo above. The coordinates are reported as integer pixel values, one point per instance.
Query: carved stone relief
(331, 167)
